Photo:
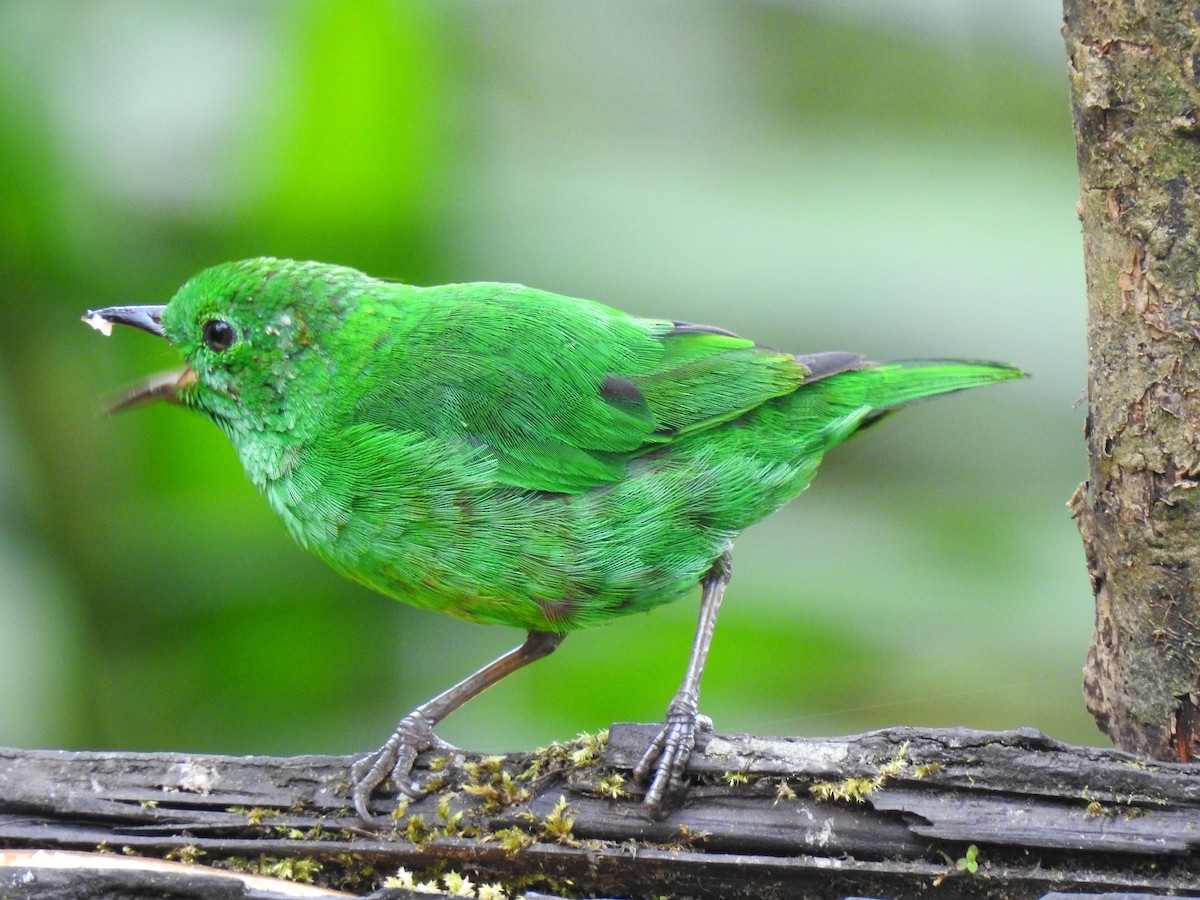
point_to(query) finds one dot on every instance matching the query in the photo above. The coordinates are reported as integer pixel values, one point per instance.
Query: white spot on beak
(100, 323)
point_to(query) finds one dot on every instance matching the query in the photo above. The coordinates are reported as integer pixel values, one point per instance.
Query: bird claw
(668, 755)
(394, 761)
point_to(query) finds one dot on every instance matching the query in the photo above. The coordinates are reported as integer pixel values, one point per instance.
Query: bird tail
(889, 385)
(841, 404)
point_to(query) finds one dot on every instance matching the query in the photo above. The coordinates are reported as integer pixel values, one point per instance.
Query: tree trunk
(1135, 87)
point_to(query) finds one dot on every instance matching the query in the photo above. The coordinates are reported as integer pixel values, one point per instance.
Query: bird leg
(415, 732)
(668, 753)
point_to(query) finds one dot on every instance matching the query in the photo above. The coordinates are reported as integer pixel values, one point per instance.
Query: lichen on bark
(1135, 89)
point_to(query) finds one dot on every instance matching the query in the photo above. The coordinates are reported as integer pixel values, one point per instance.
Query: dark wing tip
(693, 328)
(822, 365)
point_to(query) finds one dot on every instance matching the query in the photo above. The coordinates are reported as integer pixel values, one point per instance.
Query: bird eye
(217, 334)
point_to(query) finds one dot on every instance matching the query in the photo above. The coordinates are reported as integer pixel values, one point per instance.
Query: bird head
(251, 334)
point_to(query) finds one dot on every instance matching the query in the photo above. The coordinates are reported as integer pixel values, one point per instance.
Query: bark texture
(902, 813)
(1135, 88)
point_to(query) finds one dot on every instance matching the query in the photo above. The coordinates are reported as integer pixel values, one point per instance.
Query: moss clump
(857, 790)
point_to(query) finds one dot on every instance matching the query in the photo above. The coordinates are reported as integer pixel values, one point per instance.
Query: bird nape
(512, 456)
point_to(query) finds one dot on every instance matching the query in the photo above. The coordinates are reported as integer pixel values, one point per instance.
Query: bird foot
(667, 757)
(394, 761)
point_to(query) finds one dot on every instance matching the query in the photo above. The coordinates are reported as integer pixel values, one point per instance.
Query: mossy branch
(889, 813)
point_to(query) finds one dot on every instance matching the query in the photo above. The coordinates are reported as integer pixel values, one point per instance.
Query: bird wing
(561, 392)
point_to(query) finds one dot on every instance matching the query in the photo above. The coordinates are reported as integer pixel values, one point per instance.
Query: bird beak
(163, 386)
(147, 318)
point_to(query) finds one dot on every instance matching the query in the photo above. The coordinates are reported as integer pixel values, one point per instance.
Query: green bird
(511, 456)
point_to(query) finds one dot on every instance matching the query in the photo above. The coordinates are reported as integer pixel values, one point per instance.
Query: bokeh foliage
(814, 181)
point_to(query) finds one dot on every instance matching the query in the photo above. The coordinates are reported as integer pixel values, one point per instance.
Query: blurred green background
(895, 178)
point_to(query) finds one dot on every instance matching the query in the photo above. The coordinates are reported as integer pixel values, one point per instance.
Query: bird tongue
(163, 386)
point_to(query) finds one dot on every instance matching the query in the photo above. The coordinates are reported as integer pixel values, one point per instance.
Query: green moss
(188, 854)
(611, 786)
(557, 826)
(857, 789)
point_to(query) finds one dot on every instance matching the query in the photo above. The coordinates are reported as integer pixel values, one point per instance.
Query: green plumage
(508, 455)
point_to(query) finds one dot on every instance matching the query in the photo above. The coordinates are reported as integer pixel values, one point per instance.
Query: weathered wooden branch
(890, 813)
